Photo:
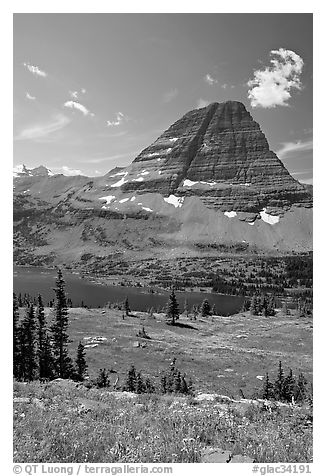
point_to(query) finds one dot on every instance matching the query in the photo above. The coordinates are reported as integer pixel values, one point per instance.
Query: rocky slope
(208, 179)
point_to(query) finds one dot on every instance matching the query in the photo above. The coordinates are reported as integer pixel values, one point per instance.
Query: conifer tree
(185, 308)
(63, 363)
(139, 384)
(48, 360)
(149, 387)
(28, 352)
(102, 380)
(289, 387)
(268, 389)
(43, 351)
(16, 353)
(300, 389)
(279, 383)
(213, 311)
(81, 365)
(173, 308)
(205, 308)
(126, 306)
(130, 385)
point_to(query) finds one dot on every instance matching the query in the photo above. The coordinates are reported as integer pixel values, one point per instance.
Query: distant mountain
(23, 171)
(209, 180)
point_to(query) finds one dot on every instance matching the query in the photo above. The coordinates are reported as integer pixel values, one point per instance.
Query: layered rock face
(220, 154)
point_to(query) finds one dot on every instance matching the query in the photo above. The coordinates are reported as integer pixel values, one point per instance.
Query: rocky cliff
(209, 179)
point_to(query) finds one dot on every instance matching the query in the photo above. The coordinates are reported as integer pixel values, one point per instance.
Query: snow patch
(154, 154)
(119, 173)
(270, 219)
(175, 201)
(251, 223)
(147, 209)
(160, 172)
(108, 199)
(168, 150)
(247, 184)
(144, 172)
(158, 160)
(230, 214)
(209, 183)
(173, 139)
(133, 199)
(188, 183)
(124, 200)
(121, 182)
(139, 179)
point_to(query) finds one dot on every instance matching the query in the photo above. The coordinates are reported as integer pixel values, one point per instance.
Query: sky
(92, 90)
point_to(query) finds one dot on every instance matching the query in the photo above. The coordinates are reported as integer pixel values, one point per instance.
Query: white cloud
(308, 181)
(210, 80)
(201, 103)
(290, 148)
(120, 118)
(65, 170)
(170, 95)
(41, 130)
(28, 96)
(35, 70)
(273, 85)
(79, 107)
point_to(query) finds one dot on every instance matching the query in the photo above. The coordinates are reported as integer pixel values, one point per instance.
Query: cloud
(210, 80)
(28, 96)
(308, 181)
(273, 85)
(79, 107)
(35, 70)
(65, 170)
(170, 95)
(120, 118)
(290, 148)
(201, 103)
(41, 130)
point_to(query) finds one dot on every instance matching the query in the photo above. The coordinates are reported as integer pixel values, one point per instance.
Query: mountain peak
(23, 171)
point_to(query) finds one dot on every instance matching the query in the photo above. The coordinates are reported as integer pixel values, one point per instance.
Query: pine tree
(102, 380)
(16, 353)
(130, 385)
(289, 387)
(194, 311)
(205, 308)
(185, 308)
(149, 387)
(126, 306)
(254, 305)
(41, 339)
(48, 360)
(268, 389)
(62, 360)
(139, 384)
(81, 365)
(279, 383)
(28, 352)
(173, 308)
(300, 388)
(176, 382)
(213, 311)
(184, 386)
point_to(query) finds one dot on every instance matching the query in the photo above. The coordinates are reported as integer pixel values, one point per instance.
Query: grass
(212, 352)
(149, 429)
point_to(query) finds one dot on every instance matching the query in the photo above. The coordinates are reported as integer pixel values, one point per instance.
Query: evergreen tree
(268, 388)
(176, 382)
(81, 365)
(254, 305)
(41, 340)
(213, 311)
(279, 383)
(16, 353)
(149, 387)
(102, 380)
(130, 385)
(139, 384)
(48, 360)
(63, 363)
(289, 387)
(126, 306)
(205, 308)
(185, 308)
(300, 388)
(194, 311)
(173, 308)
(28, 351)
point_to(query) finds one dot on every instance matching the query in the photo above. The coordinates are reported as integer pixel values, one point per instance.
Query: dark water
(42, 281)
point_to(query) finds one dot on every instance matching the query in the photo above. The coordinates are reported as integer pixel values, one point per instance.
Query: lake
(36, 281)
